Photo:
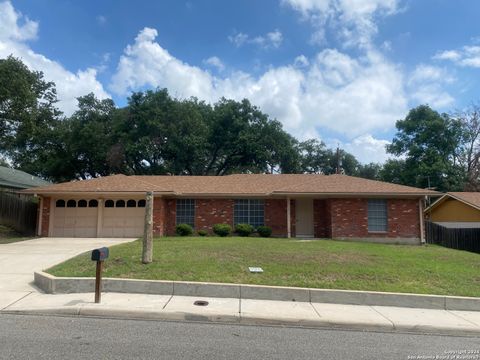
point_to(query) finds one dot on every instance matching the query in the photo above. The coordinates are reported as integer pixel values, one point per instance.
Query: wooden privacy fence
(456, 238)
(18, 212)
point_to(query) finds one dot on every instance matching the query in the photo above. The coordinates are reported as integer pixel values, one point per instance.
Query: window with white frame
(249, 211)
(186, 212)
(377, 215)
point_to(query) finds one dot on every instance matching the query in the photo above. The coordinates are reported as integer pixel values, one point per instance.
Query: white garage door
(123, 218)
(75, 218)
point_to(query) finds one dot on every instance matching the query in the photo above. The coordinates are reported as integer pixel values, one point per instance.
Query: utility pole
(337, 171)
(147, 253)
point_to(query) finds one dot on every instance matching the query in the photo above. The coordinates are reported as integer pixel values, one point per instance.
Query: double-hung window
(377, 215)
(249, 211)
(186, 212)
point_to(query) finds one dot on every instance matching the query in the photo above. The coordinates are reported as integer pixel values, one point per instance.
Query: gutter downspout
(289, 225)
(422, 230)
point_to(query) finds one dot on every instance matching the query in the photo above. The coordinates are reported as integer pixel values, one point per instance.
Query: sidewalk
(266, 312)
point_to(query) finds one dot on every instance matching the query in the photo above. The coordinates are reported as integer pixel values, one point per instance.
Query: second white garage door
(123, 218)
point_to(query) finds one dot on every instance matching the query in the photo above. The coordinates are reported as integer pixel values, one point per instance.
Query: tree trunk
(147, 253)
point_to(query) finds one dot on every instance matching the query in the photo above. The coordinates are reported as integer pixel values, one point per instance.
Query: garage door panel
(123, 222)
(74, 222)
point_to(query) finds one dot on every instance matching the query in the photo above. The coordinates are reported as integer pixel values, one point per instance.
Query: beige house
(456, 209)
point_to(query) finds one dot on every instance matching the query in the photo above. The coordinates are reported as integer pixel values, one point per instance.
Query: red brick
(159, 210)
(321, 218)
(45, 215)
(209, 212)
(276, 216)
(350, 219)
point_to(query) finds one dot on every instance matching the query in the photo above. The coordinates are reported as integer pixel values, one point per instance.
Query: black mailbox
(100, 254)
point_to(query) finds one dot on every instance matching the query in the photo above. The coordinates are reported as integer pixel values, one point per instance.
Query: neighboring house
(13, 180)
(456, 210)
(306, 206)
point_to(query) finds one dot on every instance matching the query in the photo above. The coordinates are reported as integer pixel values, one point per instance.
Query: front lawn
(8, 235)
(318, 264)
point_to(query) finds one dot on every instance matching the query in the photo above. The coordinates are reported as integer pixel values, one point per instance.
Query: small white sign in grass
(255, 269)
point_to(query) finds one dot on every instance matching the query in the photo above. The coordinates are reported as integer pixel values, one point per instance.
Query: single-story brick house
(300, 205)
(456, 210)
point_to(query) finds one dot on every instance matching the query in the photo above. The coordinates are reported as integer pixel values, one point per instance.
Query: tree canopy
(156, 133)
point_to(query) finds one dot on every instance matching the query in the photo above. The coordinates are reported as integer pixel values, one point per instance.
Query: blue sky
(340, 70)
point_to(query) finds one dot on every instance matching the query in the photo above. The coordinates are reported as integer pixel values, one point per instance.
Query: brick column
(45, 216)
(159, 216)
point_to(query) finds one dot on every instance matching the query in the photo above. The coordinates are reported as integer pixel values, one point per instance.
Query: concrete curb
(133, 314)
(58, 285)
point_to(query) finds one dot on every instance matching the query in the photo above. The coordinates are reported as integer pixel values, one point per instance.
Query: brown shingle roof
(239, 184)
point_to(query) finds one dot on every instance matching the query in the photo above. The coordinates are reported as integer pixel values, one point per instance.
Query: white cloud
(101, 19)
(15, 26)
(448, 55)
(15, 29)
(332, 90)
(301, 61)
(368, 149)
(272, 39)
(353, 20)
(427, 83)
(467, 56)
(215, 62)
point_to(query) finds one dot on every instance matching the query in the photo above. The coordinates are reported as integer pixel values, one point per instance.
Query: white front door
(304, 217)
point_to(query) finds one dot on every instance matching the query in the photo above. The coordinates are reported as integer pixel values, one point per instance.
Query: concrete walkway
(19, 260)
(165, 307)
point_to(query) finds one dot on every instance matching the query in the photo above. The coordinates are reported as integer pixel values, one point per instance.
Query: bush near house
(202, 232)
(222, 229)
(183, 230)
(264, 231)
(244, 229)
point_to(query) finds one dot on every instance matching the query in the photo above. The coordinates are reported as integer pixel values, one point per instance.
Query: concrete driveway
(19, 260)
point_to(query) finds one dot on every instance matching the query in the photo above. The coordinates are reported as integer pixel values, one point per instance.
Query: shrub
(202, 232)
(264, 231)
(183, 230)
(222, 229)
(243, 229)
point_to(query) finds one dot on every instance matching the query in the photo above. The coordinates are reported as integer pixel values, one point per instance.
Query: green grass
(318, 264)
(8, 235)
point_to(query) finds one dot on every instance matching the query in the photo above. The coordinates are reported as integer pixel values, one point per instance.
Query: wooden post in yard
(147, 253)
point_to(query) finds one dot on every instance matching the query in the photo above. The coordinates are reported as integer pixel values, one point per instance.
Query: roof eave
(445, 197)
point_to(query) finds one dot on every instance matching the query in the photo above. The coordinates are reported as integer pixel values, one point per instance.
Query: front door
(304, 217)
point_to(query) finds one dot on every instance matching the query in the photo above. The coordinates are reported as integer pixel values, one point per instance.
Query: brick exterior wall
(333, 218)
(350, 219)
(209, 212)
(159, 218)
(321, 218)
(276, 216)
(403, 218)
(170, 216)
(45, 216)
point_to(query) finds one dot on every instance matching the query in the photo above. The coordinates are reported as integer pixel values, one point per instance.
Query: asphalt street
(49, 337)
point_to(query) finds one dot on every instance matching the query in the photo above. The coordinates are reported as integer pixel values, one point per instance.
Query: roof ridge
(137, 177)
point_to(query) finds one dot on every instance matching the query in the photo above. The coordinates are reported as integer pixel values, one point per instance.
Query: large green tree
(27, 110)
(429, 143)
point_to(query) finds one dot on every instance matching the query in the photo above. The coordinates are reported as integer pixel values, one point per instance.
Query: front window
(377, 215)
(186, 212)
(249, 211)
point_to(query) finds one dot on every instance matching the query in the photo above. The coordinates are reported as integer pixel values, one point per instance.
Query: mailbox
(100, 254)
